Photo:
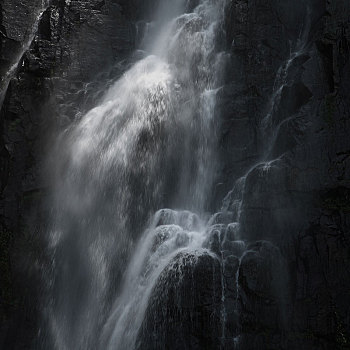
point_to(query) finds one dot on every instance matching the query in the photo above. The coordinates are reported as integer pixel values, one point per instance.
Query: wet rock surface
(296, 196)
(287, 286)
(184, 311)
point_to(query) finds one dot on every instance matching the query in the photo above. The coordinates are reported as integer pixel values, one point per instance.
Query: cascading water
(150, 143)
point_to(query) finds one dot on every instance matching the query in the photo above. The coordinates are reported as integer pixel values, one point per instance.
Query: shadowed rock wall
(301, 202)
(78, 47)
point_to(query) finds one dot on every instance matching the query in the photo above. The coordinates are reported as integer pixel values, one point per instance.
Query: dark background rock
(299, 203)
(79, 46)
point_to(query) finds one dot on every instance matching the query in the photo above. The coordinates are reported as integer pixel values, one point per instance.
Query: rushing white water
(178, 232)
(150, 142)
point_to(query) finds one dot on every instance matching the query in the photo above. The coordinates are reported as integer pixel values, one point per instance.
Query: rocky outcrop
(263, 293)
(284, 117)
(288, 106)
(184, 312)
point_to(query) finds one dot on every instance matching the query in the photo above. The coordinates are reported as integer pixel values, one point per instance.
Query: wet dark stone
(223, 218)
(292, 99)
(184, 310)
(263, 292)
(75, 48)
(236, 248)
(232, 232)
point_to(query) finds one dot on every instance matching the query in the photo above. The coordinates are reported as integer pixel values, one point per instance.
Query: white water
(160, 244)
(150, 141)
(178, 231)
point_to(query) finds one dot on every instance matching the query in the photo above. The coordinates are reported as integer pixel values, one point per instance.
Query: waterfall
(132, 189)
(149, 144)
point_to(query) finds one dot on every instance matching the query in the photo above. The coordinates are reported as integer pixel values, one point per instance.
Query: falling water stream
(149, 144)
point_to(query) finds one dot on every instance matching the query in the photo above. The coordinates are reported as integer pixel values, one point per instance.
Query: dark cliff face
(294, 289)
(77, 48)
(300, 205)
